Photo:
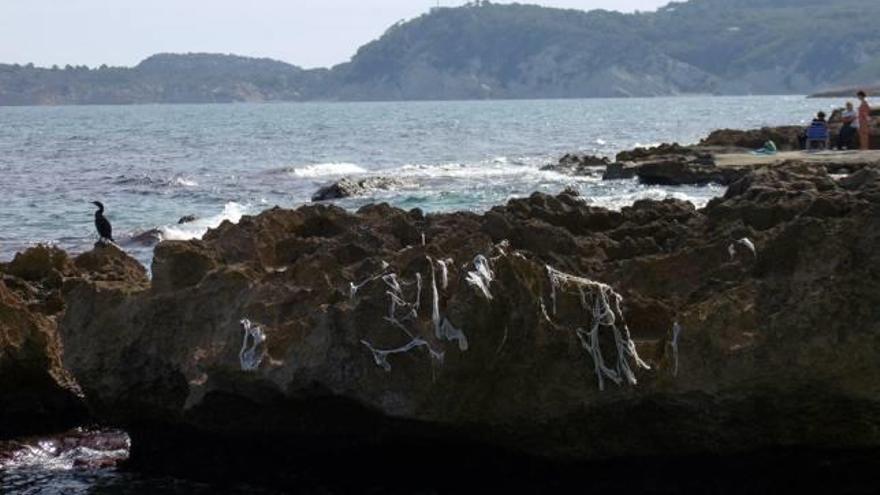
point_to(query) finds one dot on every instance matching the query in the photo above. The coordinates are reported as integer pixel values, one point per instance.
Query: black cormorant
(102, 224)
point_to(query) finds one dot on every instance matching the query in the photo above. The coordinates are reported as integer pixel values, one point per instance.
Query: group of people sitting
(856, 126)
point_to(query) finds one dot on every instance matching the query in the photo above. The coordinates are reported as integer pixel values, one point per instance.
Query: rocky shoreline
(316, 333)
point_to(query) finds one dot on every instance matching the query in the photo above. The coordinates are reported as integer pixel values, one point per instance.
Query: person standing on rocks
(849, 129)
(864, 122)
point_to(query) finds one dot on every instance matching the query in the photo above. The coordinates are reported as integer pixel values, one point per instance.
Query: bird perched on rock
(105, 230)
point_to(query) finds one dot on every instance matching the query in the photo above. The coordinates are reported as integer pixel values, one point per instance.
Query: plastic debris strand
(253, 348)
(602, 303)
(381, 356)
(482, 276)
(443, 328)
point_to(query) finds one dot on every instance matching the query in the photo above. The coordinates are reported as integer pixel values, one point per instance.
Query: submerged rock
(149, 237)
(620, 170)
(571, 164)
(346, 188)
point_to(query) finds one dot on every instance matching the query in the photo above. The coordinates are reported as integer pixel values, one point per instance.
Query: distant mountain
(483, 50)
(164, 78)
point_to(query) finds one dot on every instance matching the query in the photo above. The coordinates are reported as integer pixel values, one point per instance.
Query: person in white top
(849, 129)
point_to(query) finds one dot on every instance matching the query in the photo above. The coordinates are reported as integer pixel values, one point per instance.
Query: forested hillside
(485, 50)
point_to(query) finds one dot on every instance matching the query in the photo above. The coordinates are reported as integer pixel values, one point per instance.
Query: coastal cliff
(749, 324)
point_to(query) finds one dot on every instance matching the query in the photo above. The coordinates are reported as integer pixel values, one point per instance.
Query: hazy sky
(310, 33)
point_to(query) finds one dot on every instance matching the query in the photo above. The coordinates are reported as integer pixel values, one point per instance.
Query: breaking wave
(324, 170)
(232, 212)
(496, 168)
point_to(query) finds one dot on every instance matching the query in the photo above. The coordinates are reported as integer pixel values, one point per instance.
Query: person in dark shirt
(849, 129)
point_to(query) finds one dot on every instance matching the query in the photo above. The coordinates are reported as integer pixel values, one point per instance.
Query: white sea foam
(468, 171)
(327, 170)
(181, 181)
(647, 145)
(616, 200)
(232, 211)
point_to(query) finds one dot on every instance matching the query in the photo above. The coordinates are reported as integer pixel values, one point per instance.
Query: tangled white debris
(443, 328)
(381, 356)
(395, 293)
(444, 272)
(482, 276)
(599, 300)
(603, 305)
(253, 348)
(400, 312)
(354, 288)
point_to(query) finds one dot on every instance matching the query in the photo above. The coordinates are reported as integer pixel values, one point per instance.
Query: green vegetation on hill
(164, 78)
(483, 50)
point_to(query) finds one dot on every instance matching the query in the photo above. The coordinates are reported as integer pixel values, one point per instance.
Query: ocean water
(152, 164)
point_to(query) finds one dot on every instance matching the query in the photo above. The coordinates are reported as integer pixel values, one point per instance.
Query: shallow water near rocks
(153, 164)
(87, 461)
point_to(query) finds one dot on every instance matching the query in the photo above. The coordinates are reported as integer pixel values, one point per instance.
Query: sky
(308, 33)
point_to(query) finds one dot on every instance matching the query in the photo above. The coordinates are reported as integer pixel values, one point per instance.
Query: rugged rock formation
(675, 171)
(347, 188)
(674, 164)
(36, 394)
(296, 333)
(664, 150)
(787, 138)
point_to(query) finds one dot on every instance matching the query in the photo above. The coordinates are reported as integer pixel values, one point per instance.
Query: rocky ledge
(544, 327)
(37, 394)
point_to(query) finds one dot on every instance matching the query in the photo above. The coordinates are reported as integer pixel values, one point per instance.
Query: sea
(153, 164)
